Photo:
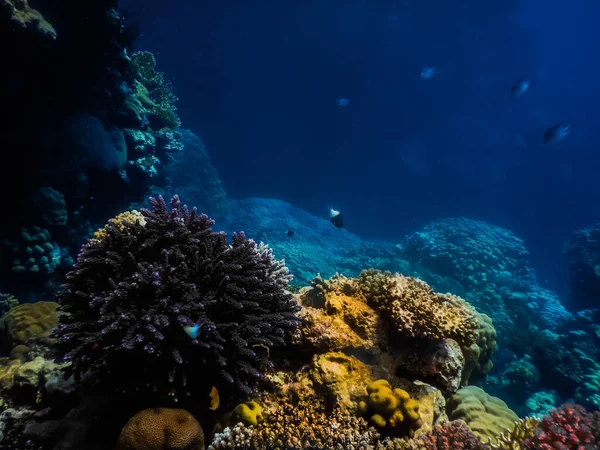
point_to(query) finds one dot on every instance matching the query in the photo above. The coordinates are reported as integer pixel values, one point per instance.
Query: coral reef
(445, 436)
(305, 425)
(513, 439)
(162, 428)
(153, 91)
(567, 427)
(582, 252)
(174, 307)
(33, 252)
(472, 252)
(23, 15)
(51, 205)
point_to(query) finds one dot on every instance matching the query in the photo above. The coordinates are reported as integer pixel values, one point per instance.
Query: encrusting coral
(161, 428)
(169, 308)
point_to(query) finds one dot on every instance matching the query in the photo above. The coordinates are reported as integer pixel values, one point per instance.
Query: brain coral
(161, 429)
(487, 416)
(167, 307)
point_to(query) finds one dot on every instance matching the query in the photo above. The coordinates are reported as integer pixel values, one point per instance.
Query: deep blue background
(258, 81)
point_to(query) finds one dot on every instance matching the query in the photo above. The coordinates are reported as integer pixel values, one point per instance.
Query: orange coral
(162, 429)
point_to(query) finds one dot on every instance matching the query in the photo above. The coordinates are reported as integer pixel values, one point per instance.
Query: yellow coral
(247, 413)
(487, 416)
(131, 217)
(29, 320)
(391, 410)
(512, 440)
(161, 428)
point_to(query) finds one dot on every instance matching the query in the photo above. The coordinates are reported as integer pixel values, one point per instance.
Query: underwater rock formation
(191, 173)
(316, 247)
(582, 251)
(168, 308)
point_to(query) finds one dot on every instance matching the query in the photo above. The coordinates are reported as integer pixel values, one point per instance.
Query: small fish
(556, 133)
(215, 400)
(290, 233)
(521, 86)
(335, 217)
(429, 72)
(342, 102)
(193, 331)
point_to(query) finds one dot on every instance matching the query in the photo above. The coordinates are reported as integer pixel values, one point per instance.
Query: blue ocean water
(369, 145)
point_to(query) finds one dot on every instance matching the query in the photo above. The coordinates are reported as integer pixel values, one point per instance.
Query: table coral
(161, 429)
(136, 290)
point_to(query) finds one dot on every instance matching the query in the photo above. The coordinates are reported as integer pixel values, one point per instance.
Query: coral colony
(143, 280)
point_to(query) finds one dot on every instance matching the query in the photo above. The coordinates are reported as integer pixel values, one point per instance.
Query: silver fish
(556, 133)
(521, 86)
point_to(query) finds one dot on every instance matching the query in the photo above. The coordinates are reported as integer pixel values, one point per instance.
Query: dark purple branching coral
(135, 294)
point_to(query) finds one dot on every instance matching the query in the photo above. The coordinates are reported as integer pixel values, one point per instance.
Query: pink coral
(454, 435)
(566, 428)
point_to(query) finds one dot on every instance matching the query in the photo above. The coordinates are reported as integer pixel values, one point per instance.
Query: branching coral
(454, 435)
(513, 440)
(168, 307)
(567, 427)
(304, 426)
(156, 93)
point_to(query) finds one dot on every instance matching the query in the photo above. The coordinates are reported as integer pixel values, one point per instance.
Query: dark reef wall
(90, 128)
